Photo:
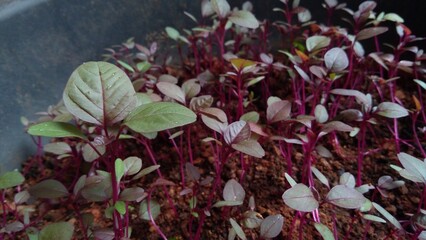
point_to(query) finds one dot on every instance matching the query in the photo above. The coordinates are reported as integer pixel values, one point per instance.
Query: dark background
(42, 41)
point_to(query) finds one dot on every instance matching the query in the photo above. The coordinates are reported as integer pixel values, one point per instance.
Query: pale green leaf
(317, 42)
(126, 65)
(227, 203)
(237, 228)
(172, 33)
(244, 19)
(374, 218)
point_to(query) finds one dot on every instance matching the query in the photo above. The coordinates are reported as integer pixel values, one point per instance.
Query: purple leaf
(233, 191)
(278, 111)
(204, 101)
(132, 194)
(168, 78)
(250, 147)
(387, 182)
(172, 91)
(237, 132)
(300, 198)
(345, 197)
(360, 97)
(413, 166)
(336, 126)
(370, 32)
(99, 93)
(191, 88)
(49, 188)
(347, 179)
(336, 59)
(192, 172)
(391, 110)
(302, 73)
(271, 226)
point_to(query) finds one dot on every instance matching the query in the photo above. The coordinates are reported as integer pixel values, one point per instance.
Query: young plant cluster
(150, 141)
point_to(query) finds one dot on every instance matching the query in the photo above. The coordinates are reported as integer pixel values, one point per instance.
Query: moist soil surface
(264, 179)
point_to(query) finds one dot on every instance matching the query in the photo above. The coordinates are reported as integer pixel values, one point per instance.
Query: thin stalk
(157, 228)
(181, 160)
(361, 149)
(154, 161)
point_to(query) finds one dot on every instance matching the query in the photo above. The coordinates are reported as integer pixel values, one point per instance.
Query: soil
(264, 180)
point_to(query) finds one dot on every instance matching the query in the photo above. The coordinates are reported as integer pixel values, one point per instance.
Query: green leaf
(120, 206)
(55, 129)
(99, 93)
(119, 169)
(11, 179)
(49, 188)
(154, 209)
(244, 19)
(324, 231)
(32, 233)
(159, 116)
(143, 66)
(57, 231)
